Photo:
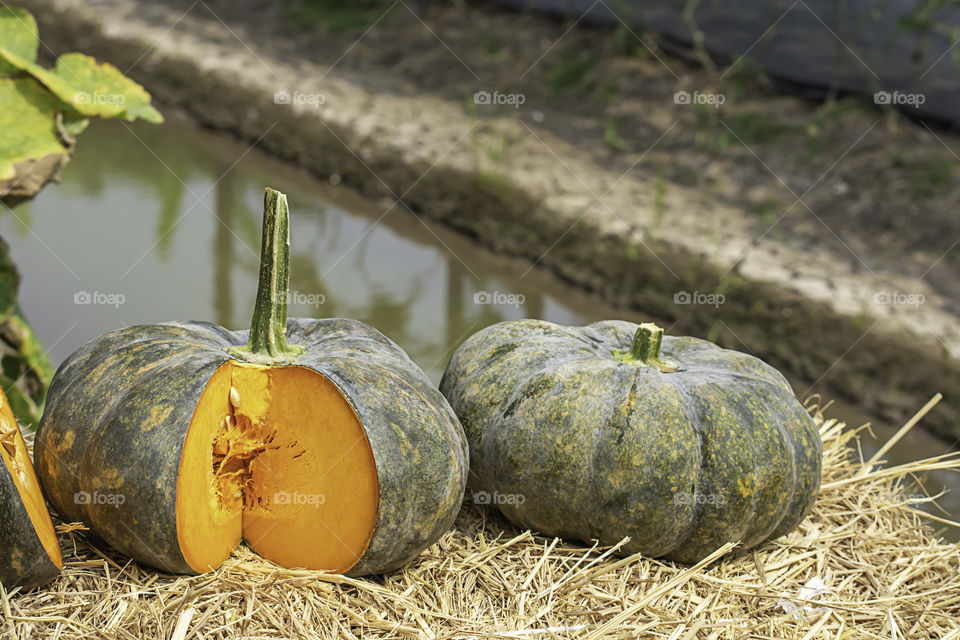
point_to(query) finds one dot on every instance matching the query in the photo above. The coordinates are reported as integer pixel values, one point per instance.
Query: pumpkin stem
(268, 329)
(645, 349)
(646, 343)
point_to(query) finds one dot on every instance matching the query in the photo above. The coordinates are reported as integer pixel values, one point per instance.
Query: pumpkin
(29, 549)
(613, 431)
(318, 442)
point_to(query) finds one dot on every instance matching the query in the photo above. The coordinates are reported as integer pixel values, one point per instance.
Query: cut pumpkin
(278, 457)
(332, 451)
(29, 549)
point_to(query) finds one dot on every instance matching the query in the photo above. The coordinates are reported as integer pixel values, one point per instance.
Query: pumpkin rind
(30, 553)
(580, 445)
(148, 379)
(23, 560)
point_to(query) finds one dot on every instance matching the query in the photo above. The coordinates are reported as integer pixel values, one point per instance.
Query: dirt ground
(875, 188)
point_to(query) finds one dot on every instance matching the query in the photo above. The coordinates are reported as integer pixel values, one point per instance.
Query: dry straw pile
(884, 574)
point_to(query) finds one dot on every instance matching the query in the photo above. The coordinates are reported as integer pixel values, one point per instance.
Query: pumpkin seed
(234, 397)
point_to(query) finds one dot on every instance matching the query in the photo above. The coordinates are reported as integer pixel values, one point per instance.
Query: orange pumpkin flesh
(17, 461)
(277, 456)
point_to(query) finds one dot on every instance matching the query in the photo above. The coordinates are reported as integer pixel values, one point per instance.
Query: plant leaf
(9, 282)
(27, 411)
(31, 151)
(18, 33)
(92, 88)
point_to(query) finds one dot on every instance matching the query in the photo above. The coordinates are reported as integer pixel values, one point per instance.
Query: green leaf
(26, 369)
(32, 352)
(18, 33)
(72, 122)
(27, 411)
(31, 150)
(92, 88)
(9, 281)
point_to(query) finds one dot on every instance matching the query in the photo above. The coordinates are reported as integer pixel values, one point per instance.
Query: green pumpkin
(612, 430)
(319, 442)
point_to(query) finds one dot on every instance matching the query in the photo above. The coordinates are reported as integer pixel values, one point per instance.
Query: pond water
(155, 223)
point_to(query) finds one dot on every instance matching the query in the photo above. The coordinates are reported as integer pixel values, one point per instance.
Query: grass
(659, 197)
(768, 210)
(747, 127)
(611, 135)
(746, 78)
(338, 16)
(927, 177)
(489, 45)
(574, 72)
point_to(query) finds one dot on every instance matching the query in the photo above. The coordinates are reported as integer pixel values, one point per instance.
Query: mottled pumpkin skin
(680, 462)
(119, 408)
(23, 560)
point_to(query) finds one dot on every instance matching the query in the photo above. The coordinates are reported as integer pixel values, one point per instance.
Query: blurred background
(779, 177)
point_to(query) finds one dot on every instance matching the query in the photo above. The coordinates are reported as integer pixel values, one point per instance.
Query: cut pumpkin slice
(29, 550)
(278, 457)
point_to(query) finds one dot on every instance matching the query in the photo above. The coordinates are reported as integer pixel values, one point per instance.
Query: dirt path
(820, 236)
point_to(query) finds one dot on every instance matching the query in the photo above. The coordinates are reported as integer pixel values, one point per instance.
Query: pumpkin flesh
(16, 462)
(278, 457)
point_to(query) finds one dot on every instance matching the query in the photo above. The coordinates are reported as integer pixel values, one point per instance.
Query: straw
(885, 574)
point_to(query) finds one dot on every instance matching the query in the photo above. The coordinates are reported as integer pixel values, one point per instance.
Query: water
(155, 223)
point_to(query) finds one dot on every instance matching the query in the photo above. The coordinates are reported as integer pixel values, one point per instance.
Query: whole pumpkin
(174, 441)
(29, 550)
(611, 430)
